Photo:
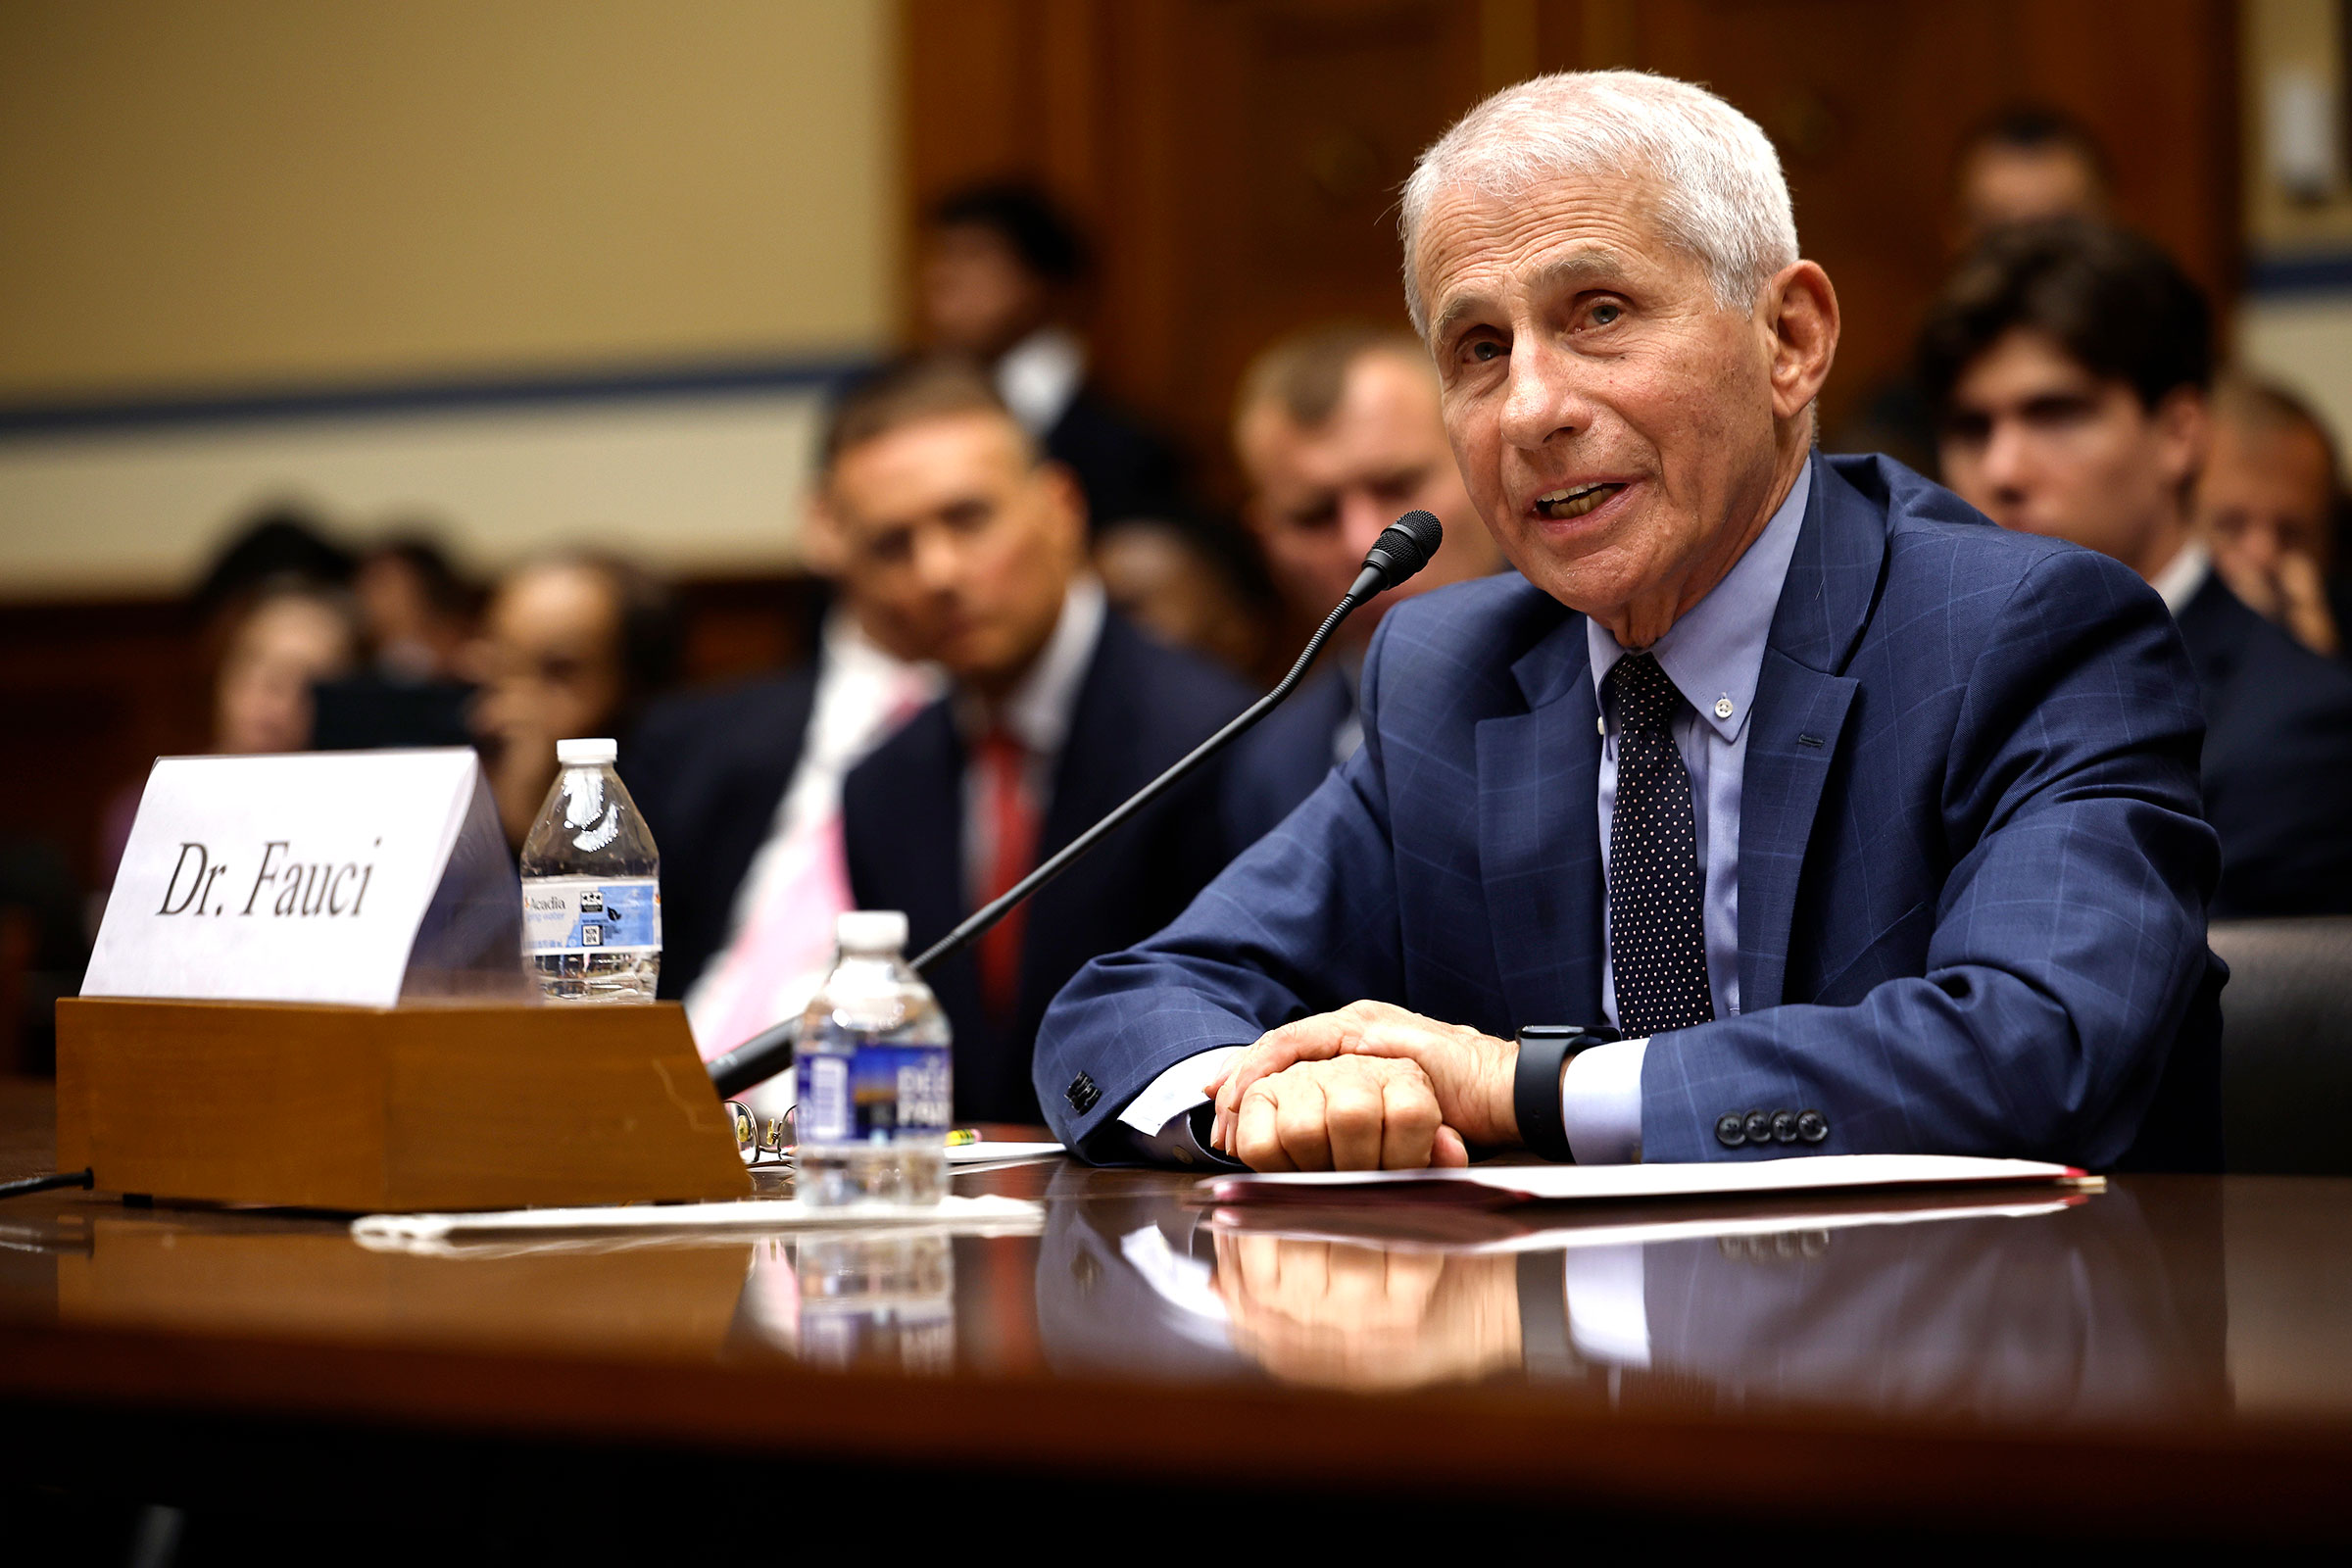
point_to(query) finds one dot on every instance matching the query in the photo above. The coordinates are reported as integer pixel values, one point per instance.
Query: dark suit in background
(708, 771)
(2278, 762)
(1127, 468)
(1279, 764)
(1140, 706)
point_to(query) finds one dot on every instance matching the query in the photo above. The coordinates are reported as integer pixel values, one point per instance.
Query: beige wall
(202, 193)
(207, 197)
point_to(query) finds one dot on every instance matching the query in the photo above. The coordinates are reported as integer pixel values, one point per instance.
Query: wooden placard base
(374, 1109)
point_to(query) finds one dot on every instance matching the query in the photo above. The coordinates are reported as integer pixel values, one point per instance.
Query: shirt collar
(1037, 712)
(1039, 375)
(1715, 654)
(2177, 583)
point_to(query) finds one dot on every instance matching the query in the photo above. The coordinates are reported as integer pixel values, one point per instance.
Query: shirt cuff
(1178, 1089)
(1600, 1101)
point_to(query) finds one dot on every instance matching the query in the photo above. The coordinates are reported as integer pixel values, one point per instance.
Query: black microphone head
(1402, 549)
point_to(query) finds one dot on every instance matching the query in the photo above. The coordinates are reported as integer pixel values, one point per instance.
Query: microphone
(1402, 549)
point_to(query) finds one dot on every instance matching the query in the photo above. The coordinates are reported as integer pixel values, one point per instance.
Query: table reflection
(2004, 1308)
(875, 1302)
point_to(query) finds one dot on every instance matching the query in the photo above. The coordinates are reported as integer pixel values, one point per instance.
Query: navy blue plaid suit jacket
(1973, 874)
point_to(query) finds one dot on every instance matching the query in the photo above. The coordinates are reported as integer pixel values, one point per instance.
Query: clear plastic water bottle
(590, 885)
(876, 1087)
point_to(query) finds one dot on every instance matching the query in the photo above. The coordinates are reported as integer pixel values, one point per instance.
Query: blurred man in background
(2069, 364)
(572, 645)
(1002, 270)
(972, 553)
(2020, 164)
(742, 788)
(1339, 432)
(2267, 509)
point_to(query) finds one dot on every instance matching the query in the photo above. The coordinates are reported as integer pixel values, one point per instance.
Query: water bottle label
(879, 1091)
(583, 914)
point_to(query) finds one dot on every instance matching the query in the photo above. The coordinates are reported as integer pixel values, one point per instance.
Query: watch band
(1544, 1050)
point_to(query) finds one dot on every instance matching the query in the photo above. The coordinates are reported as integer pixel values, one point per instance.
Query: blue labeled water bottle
(875, 1085)
(590, 885)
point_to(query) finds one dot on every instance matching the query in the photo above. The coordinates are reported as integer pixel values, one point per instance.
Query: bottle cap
(870, 930)
(585, 753)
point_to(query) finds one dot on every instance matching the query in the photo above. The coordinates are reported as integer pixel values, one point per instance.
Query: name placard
(355, 877)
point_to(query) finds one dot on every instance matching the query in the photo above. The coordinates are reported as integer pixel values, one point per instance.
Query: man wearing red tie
(974, 552)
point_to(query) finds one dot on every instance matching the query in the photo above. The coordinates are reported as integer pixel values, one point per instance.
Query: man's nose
(1542, 400)
(2007, 463)
(938, 563)
(1361, 520)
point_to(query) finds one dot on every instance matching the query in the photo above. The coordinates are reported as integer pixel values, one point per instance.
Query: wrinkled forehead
(1476, 248)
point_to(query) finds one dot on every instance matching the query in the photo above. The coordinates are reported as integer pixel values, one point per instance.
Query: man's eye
(1484, 351)
(1605, 313)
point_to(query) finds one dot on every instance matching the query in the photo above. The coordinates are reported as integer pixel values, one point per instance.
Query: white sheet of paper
(1591, 1183)
(982, 1215)
(297, 879)
(990, 1151)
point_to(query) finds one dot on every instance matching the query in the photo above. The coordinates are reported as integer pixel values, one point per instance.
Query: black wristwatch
(1544, 1051)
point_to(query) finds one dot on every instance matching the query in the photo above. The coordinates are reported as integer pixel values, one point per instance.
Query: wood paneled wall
(1237, 160)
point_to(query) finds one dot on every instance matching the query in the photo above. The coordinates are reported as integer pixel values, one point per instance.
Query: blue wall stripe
(427, 397)
(2330, 273)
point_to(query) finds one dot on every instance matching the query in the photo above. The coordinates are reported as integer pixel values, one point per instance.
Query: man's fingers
(1298, 1121)
(1255, 1143)
(1449, 1148)
(1354, 1117)
(1408, 1123)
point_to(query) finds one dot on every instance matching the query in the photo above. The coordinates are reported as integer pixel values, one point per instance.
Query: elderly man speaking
(1778, 805)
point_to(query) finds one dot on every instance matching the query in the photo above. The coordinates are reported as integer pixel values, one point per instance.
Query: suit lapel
(1538, 836)
(920, 799)
(1801, 713)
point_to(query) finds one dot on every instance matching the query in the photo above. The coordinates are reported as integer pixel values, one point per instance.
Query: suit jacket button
(1784, 1126)
(1730, 1130)
(1081, 1093)
(1758, 1127)
(1811, 1127)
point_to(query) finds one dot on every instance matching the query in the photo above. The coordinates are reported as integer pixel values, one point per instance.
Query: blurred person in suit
(2021, 164)
(742, 784)
(1761, 761)
(1192, 583)
(2069, 364)
(1339, 432)
(1002, 270)
(2268, 506)
(970, 549)
(573, 644)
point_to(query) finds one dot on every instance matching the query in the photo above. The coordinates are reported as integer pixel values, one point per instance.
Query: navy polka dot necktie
(1657, 920)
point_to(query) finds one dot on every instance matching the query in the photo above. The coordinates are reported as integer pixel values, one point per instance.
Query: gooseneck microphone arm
(1402, 549)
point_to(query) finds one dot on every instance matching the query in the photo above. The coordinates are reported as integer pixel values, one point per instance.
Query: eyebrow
(1584, 263)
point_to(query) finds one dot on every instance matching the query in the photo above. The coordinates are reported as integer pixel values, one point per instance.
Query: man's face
(2038, 443)
(978, 298)
(956, 545)
(550, 660)
(1320, 497)
(1614, 422)
(2266, 494)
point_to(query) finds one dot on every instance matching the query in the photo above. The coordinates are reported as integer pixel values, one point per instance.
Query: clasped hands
(1370, 1087)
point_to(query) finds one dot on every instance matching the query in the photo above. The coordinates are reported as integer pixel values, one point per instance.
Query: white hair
(1720, 192)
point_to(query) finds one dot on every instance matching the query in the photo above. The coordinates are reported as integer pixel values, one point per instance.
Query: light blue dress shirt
(1714, 656)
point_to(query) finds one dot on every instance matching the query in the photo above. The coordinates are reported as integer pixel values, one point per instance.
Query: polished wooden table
(2169, 1359)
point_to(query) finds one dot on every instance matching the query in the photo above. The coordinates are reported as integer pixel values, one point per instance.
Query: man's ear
(1800, 308)
(1064, 501)
(821, 543)
(2183, 428)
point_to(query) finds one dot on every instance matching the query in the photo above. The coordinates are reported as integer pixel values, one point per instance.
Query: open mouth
(1558, 506)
